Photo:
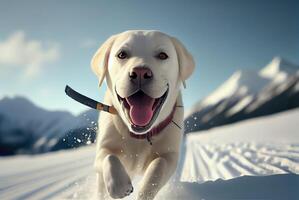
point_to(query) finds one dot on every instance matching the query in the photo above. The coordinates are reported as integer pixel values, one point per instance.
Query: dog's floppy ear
(185, 59)
(99, 62)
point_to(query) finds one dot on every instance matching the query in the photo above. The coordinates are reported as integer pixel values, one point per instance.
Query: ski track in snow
(46, 176)
(227, 161)
(70, 175)
(236, 154)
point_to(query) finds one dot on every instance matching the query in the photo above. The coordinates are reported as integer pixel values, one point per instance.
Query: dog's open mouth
(142, 110)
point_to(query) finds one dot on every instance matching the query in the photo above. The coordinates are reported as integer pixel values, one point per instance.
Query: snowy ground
(260, 146)
(54, 175)
(255, 159)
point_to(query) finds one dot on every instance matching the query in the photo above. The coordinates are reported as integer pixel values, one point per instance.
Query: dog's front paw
(117, 181)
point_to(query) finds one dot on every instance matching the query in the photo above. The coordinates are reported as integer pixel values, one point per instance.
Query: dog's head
(144, 71)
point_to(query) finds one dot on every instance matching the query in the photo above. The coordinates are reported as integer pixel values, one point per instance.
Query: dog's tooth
(122, 105)
(124, 109)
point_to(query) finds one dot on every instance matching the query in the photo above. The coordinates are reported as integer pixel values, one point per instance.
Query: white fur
(119, 156)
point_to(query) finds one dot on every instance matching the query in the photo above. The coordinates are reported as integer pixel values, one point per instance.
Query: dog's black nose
(141, 75)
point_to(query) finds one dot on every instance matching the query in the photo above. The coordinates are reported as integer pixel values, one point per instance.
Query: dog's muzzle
(141, 110)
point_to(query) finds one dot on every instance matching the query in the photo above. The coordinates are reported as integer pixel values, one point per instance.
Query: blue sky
(50, 44)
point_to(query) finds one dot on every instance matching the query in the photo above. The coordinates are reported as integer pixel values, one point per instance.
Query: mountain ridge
(248, 82)
(253, 96)
(27, 127)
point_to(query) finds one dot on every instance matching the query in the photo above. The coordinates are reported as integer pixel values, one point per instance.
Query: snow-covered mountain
(26, 127)
(248, 94)
(278, 70)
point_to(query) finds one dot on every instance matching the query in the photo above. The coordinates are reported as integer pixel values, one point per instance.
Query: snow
(44, 176)
(240, 105)
(252, 159)
(278, 69)
(277, 128)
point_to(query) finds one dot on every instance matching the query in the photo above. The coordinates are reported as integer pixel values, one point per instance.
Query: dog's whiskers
(149, 139)
(176, 124)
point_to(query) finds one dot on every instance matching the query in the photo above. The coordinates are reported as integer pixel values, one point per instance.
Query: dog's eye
(122, 55)
(162, 56)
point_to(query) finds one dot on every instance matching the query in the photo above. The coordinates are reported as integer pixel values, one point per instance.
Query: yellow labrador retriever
(144, 71)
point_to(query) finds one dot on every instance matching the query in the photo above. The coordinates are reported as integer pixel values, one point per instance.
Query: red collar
(157, 129)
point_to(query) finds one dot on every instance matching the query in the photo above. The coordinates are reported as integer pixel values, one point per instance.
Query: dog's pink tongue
(141, 108)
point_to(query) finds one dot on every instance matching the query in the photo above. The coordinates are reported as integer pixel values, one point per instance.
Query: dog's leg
(101, 188)
(115, 180)
(156, 175)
